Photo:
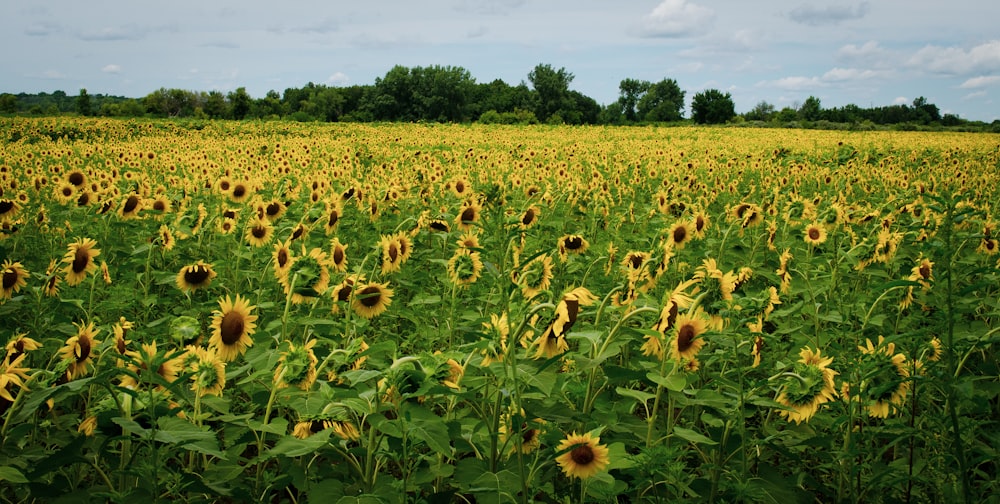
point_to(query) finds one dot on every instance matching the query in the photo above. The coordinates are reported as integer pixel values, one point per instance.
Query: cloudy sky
(869, 52)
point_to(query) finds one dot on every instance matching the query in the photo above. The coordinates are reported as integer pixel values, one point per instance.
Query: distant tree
(215, 105)
(712, 107)
(629, 93)
(810, 109)
(787, 115)
(8, 103)
(926, 112)
(240, 102)
(663, 101)
(762, 111)
(269, 106)
(552, 87)
(83, 106)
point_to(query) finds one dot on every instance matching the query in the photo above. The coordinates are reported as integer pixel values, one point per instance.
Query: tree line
(451, 94)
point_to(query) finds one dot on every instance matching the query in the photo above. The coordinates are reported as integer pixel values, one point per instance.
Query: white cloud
(982, 81)
(338, 79)
(957, 61)
(795, 83)
(814, 15)
(901, 100)
(972, 96)
(112, 68)
(677, 18)
(848, 74)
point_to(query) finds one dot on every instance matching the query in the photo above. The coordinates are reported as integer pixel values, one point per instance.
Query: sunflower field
(390, 313)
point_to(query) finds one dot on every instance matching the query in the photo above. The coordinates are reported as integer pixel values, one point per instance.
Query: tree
(8, 103)
(662, 102)
(762, 111)
(630, 91)
(552, 87)
(215, 105)
(83, 106)
(811, 109)
(712, 107)
(240, 102)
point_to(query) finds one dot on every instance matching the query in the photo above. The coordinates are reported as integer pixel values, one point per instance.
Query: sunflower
(310, 275)
(79, 260)
(719, 286)
(227, 225)
(464, 268)
(678, 235)
(499, 327)
(552, 341)
(165, 237)
(240, 192)
(783, 273)
(297, 366)
(208, 371)
(52, 279)
(371, 299)
(529, 218)
(341, 293)
(392, 256)
(259, 232)
(334, 212)
(468, 215)
(194, 276)
(469, 240)
(13, 277)
(699, 223)
(687, 331)
(11, 373)
(19, 345)
(530, 433)
(282, 259)
(677, 300)
(160, 204)
(65, 193)
(439, 226)
(584, 455)
(79, 350)
(572, 244)
(8, 209)
(887, 377)
(272, 210)
(536, 276)
(988, 246)
(338, 256)
(232, 325)
(807, 386)
(460, 187)
(167, 367)
(815, 234)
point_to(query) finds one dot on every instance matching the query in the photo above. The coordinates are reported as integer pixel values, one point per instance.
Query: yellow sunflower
(195, 276)
(468, 215)
(371, 299)
(259, 232)
(582, 455)
(815, 234)
(536, 276)
(11, 374)
(464, 268)
(572, 244)
(807, 386)
(678, 235)
(131, 206)
(282, 259)
(687, 331)
(552, 341)
(297, 366)
(19, 345)
(79, 260)
(887, 378)
(232, 325)
(310, 275)
(699, 223)
(529, 218)
(13, 277)
(79, 350)
(338, 255)
(167, 367)
(208, 371)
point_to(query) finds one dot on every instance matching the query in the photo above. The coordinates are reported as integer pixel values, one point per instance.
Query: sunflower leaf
(674, 382)
(12, 475)
(294, 447)
(692, 436)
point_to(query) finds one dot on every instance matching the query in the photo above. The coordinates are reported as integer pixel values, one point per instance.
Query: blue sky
(870, 53)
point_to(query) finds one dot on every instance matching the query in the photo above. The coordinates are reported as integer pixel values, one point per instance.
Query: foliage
(712, 107)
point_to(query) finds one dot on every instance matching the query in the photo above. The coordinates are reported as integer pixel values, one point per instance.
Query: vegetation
(220, 311)
(451, 94)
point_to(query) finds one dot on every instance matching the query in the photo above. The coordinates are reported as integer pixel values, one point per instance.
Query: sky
(868, 53)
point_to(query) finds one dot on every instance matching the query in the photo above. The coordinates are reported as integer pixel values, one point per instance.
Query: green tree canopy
(712, 107)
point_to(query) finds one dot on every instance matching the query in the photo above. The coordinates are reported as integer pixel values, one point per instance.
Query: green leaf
(424, 425)
(294, 447)
(635, 394)
(12, 475)
(495, 487)
(692, 436)
(674, 382)
(275, 426)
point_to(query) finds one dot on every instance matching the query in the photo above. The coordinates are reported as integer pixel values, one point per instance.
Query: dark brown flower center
(231, 328)
(239, 190)
(574, 242)
(273, 209)
(345, 291)
(81, 259)
(259, 232)
(925, 271)
(196, 275)
(332, 221)
(469, 215)
(131, 203)
(699, 224)
(370, 296)
(76, 178)
(6, 206)
(159, 205)
(393, 252)
(84, 344)
(10, 277)
(529, 217)
(338, 256)
(813, 233)
(282, 257)
(685, 337)
(680, 234)
(459, 187)
(582, 455)
(635, 261)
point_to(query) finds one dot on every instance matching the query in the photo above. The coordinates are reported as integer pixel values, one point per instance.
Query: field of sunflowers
(389, 313)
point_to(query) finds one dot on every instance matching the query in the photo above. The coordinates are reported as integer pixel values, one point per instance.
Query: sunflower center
(67, 191)
(468, 215)
(80, 260)
(231, 328)
(76, 178)
(10, 277)
(282, 257)
(925, 271)
(439, 226)
(345, 292)
(370, 296)
(159, 206)
(120, 346)
(680, 234)
(239, 191)
(332, 221)
(196, 275)
(582, 455)
(393, 252)
(338, 255)
(574, 242)
(83, 347)
(635, 261)
(273, 209)
(131, 203)
(699, 223)
(259, 232)
(459, 187)
(6, 206)
(529, 217)
(685, 337)
(813, 234)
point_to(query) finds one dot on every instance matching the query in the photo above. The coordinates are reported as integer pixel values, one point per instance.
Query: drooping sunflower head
(536, 276)
(807, 385)
(338, 255)
(582, 455)
(529, 218)
(80, 349)
(464, 268)
(572, 244)
(297, 366)
(233, 324)
(195, 276)
(308, 276)
(208, 370)
(886, 382)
